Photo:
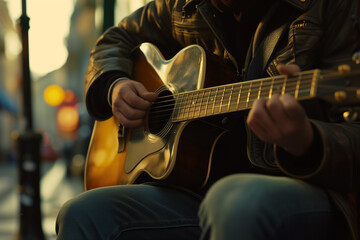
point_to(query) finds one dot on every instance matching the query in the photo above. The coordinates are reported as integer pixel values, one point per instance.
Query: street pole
(28, 147)
(109, 14)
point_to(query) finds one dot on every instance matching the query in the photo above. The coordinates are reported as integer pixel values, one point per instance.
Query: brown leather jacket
(317, 34)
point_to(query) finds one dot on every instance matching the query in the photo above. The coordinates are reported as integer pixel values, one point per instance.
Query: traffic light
(54, 95)
(67, 116)
(67, 110)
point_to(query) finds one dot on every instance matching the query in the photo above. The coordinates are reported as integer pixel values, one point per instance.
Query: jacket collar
(300, 4)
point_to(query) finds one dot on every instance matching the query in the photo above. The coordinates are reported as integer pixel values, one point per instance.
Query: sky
(49, 26)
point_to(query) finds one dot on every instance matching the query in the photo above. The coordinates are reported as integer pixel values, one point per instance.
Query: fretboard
(241, 96)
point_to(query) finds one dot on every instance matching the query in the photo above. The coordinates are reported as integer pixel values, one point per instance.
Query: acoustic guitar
(175, 145)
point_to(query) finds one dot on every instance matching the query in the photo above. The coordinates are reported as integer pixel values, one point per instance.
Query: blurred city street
(55, 187)
(44, 86)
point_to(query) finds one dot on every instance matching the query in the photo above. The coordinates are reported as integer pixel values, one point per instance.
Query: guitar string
(226, 93)
(243, 84)
(291, 86)
(202, 111)
(238, 86)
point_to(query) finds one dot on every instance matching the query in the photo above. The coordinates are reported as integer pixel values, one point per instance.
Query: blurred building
(70, 77)
(86, 25)
(63, 119)
(9, 81)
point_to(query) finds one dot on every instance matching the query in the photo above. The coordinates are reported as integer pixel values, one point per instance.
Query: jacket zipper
(303, 24)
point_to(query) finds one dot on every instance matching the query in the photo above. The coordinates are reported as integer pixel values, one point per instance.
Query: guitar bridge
(122, 133)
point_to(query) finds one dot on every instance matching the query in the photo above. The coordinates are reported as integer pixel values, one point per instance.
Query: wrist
(302, 141)
(111, 88)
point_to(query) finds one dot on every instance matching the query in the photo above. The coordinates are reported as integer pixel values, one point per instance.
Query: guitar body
(176, 152)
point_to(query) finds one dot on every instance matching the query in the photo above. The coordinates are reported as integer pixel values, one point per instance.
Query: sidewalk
(55, 189)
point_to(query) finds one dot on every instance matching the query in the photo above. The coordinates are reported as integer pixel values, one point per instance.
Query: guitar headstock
(341, 88)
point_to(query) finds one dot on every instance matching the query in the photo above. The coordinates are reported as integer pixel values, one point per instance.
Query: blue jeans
(241, 206)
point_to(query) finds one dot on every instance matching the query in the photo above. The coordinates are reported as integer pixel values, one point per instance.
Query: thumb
(144, 93)
(288, 69)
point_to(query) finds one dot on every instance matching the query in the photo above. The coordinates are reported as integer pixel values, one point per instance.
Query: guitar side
(104, 165)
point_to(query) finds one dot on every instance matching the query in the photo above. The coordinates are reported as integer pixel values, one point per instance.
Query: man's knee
(72, 211)
(252, 193)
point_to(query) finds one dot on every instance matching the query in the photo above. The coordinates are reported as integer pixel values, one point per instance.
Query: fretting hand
(281, 120)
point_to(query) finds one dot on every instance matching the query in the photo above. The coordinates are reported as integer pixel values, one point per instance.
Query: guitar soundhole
(160, 113)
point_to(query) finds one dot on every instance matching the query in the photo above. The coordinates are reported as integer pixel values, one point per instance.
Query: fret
(253, 93)
(202, 107)
(271, 87)
(232, 95)
(259, 90)
(239, 97)
(214, 100)
(180, 109)
(314, 82)
(197, 104)
(222, 100)
(193, 104)
(305, 90)
(180, 104)
(265, 88)
(291, 85)
(187, 104)
(208, 101)
(248, 95)
(176, 113)
(305, 86)
(277, 86)
(225, 100)
(216, 104)
(243, 103)
(298, 80)
(284, 85)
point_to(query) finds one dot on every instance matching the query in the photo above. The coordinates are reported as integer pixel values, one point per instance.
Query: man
(301, 175)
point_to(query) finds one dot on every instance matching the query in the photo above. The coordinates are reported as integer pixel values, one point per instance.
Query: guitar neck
(241, 96)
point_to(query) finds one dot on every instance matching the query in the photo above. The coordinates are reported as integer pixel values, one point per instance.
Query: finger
(288, 69)
(259, 120)
(130, 123)
(144, 93)
(259, 130)
(275, 109)
(287, 114)
(149, 96)
(130, 112)
(133, 94)
(133, 97)
(292, 108)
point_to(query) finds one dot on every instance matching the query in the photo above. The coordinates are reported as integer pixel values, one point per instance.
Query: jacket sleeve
(111, 57)
(335, 162)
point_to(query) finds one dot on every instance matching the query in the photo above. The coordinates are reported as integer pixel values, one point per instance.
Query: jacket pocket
(305, 36)
(192, 29)
(302, 46)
